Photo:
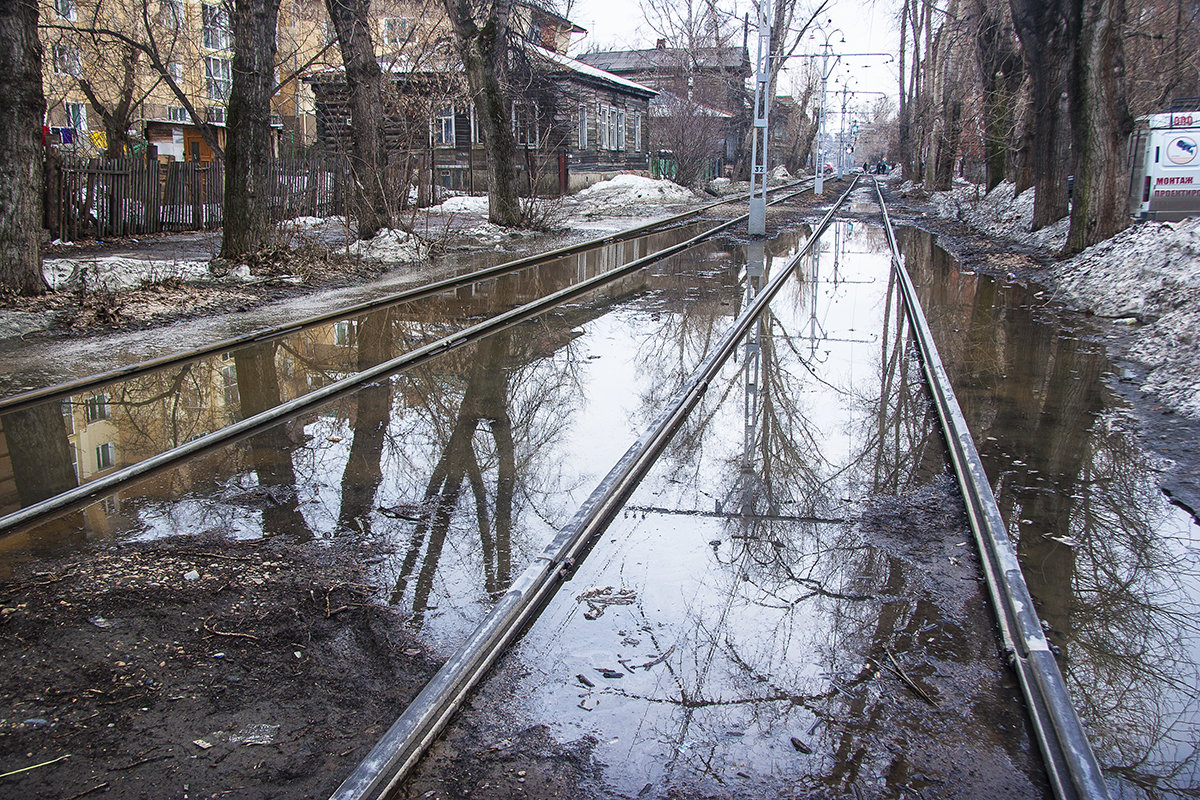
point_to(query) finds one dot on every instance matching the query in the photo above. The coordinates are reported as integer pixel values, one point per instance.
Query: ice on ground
(1150, 271)
(389, 245)
(118, 272)
(1000, 212)
(629, 192)
(463, 204)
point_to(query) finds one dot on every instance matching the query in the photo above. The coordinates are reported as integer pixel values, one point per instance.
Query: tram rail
(27, 398)
(84, 493)
(1070, 763)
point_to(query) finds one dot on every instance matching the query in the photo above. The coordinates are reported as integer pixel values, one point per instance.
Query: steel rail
(1070, 762)
(31, 396)
(394, 755)
(507, 319)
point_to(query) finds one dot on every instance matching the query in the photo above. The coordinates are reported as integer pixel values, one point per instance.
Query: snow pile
(389, 245)
(463, 204)
(628, 193)
(109, 273)
(1150, 271)
(1000, 212)
(781, 173)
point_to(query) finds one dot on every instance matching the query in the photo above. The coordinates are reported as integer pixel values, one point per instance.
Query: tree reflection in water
(1112, 566)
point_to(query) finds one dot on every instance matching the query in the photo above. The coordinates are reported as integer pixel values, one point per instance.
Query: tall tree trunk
(247, 224)
(1048, 30)
(368, 155)
(904, 116)
(1102, 124)
(22, 108)
(1002, 73)
(483, 49)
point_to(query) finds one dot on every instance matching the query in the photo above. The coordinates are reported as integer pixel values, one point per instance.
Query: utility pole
(757, 224)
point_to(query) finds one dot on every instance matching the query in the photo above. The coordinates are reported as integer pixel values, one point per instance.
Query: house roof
(633, 61)
(666, 103)
(591, 72)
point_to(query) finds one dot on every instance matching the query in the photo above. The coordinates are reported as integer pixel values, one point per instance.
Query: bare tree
(481, 35)
(22, 107)
(1101, 125)
(1049, 32)
(368, 158)
(247, 222)
(1001, 72)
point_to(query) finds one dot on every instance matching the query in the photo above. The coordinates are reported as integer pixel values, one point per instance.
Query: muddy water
(79, 438)
(1112, 565)
(743, 629)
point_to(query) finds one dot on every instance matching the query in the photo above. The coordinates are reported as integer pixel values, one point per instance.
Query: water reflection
(1113, 567)
(745, 593)
(90, 434)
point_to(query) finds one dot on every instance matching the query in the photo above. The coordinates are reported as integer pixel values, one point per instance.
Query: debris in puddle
(657, 659)
(583, 704)
(801, 747)
(599, 598)
(585, 680)
(610, 673)
(406, 511)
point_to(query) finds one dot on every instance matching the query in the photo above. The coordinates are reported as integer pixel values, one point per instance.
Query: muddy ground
(212, 668)
(197, 667)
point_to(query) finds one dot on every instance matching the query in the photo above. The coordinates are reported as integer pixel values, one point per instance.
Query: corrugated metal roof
(591, 71)
(630, 61)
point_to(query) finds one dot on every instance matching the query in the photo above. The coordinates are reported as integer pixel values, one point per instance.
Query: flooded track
(788, 605)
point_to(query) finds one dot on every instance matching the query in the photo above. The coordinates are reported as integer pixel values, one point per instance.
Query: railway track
(1071, 767)
(1070, 764)
(196, 444)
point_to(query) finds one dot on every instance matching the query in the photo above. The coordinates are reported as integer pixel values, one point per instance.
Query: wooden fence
(100, 197)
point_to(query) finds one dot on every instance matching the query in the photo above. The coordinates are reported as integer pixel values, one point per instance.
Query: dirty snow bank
(463, 204)
(109, 273)
(1000, 212)
(1150, 271)
(389, 245)
(628, 194)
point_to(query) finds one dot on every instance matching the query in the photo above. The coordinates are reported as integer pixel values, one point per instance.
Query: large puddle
(789, 600)
(1113, 566)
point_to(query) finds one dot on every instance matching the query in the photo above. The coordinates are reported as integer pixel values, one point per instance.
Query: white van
(1164, 153)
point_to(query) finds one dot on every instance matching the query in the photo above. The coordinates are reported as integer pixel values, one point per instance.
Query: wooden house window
(583, 130)
(443, 127)
(524, 122)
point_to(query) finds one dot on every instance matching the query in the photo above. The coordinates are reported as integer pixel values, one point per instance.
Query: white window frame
(218, 78)
(216, 31)
(67, 60)
(76, 115)
(106, 455)
(621, 133)
(524, 115)
(441, 127)
(637, 132)
(173, 13)
(396, 32)
(178, 114)
(95, 407)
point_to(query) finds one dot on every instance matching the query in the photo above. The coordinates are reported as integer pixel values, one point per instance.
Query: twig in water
(896, 668)
(35, 766)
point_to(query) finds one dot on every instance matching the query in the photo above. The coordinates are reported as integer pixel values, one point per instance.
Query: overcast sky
(868, 27)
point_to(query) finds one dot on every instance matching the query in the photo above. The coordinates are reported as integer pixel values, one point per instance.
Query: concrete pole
(819, 163)
(757, 223)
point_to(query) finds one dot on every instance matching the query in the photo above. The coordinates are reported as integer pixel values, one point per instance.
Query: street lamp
(826, 70)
